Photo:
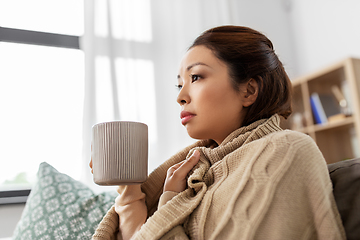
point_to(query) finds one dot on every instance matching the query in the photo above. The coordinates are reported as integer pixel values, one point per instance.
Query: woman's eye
(179, 87)
(194, 77)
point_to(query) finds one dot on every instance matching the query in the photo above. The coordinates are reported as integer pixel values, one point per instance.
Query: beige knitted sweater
(262, 182)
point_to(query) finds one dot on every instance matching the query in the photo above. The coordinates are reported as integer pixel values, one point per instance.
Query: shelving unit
(339, 139)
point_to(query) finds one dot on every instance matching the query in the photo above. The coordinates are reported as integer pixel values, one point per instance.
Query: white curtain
(132, 50)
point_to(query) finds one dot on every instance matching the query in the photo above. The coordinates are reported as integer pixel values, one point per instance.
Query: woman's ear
(250, 93)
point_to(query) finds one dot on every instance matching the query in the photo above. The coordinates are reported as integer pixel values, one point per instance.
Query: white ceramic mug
(120, 153)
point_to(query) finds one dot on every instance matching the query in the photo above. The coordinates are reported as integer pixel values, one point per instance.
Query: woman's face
(210, 107)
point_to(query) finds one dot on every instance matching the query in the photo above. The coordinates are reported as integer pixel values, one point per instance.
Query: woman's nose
(183, 97)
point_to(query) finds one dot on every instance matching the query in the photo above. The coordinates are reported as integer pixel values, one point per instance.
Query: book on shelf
(317, 109)
(325, 108)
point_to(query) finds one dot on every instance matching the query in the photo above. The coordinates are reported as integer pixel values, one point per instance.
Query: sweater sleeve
(165, 197)
(108, 227)
(177, 233)
(132, 211)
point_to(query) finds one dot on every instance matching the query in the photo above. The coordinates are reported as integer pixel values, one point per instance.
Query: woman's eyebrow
(193, 65)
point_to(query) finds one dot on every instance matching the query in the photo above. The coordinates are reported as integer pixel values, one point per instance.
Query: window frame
(21, 36)
(39, 38)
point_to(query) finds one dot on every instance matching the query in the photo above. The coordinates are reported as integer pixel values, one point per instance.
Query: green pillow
(60, 207)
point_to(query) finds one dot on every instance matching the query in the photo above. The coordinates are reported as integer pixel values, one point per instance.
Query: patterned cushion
(60, 207)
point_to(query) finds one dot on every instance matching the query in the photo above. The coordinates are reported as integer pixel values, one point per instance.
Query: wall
(272, 18)
(325, 31)
(9, 216)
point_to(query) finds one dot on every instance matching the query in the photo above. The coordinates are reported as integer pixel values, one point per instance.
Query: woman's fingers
(176, 175)
(182, 171)
(90, 165)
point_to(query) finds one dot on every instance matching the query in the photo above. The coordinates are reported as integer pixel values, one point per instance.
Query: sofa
(60, 207)
(345, 176)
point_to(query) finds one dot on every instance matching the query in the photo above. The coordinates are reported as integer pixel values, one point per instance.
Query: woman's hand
(176, 175)
(90, 164)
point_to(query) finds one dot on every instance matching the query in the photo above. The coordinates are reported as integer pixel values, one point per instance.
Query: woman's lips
(186, 116)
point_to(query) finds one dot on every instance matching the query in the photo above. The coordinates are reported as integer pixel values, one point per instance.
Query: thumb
(186, 167)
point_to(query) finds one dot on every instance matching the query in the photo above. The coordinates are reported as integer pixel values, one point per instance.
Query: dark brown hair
(250, 55)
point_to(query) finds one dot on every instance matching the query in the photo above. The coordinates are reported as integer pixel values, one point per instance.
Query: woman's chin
(196, 134)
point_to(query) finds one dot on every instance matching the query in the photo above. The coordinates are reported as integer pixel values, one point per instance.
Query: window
(123, 31)
(41, 90)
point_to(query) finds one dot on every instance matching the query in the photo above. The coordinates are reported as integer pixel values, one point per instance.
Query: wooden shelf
(337, 140)
(326, 126)
(332, 125)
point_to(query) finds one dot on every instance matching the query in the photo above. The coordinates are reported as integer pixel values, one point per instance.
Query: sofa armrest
(345, 176)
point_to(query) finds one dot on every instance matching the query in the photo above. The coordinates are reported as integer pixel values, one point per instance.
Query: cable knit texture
(262, 182)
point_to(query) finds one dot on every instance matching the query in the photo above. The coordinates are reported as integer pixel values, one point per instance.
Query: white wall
(9, 216)
(325, 31)
(272, 18)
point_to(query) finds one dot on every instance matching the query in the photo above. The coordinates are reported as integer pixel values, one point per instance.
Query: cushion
(60, 207)
(345, 176)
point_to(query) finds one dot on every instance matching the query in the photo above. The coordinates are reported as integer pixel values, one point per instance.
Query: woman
(245, 178)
